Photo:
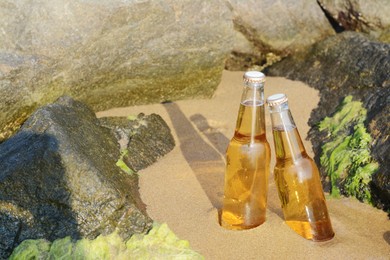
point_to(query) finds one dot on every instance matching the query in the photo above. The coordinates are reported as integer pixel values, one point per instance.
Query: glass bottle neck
(288, 143)
(251, 119)
(253, 92)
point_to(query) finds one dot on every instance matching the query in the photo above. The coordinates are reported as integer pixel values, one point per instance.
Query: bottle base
(318, 232)
(231, 222)
(238, 227)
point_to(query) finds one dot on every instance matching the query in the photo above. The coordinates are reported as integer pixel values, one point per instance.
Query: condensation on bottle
(297, 177)
(247, 161)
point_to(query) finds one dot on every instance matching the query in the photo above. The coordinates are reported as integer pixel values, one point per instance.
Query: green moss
(121, 164)
(132, 117)
(350, 112)
(61, 249)
(32, 249)
(346, 156)
(159, 243)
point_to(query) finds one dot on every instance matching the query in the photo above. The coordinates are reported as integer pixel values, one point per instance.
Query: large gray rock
(59, 178)
(349, 63)
(371, 17)
(268, 30)
(108, 53)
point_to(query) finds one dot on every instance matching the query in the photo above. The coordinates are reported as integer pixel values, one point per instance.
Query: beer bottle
(297, 177)
(247, 161)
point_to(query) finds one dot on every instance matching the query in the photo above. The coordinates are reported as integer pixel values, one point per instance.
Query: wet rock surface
(349, 63)
(59, 177)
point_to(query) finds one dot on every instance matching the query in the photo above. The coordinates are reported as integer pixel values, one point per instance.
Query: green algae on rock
(346, 151)
(121, 164)
(159, 243)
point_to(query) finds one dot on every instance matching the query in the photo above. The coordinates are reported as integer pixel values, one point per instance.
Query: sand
(184, 188)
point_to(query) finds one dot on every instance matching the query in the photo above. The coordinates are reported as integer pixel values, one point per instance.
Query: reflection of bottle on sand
(297, 177)
(247, 161)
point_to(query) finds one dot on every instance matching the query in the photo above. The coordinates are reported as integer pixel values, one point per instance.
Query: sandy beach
(185, 188)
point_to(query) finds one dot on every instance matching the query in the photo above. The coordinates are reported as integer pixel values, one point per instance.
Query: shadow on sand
(205, 161)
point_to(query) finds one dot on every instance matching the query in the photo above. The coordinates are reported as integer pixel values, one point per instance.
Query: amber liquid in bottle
(299, 187)
(247, 170)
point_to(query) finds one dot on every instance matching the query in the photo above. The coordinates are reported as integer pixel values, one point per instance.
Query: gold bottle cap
(254, 77)
(276, 99)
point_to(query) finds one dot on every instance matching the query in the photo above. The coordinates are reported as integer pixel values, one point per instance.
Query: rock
(108, 53)
(349, 63)
(144, 139)
(58, 178)
(273, 29)
(370, 17)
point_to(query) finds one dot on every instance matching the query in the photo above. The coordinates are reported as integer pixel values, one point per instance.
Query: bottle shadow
(205, 161)
(386, 237)
(216, 138)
